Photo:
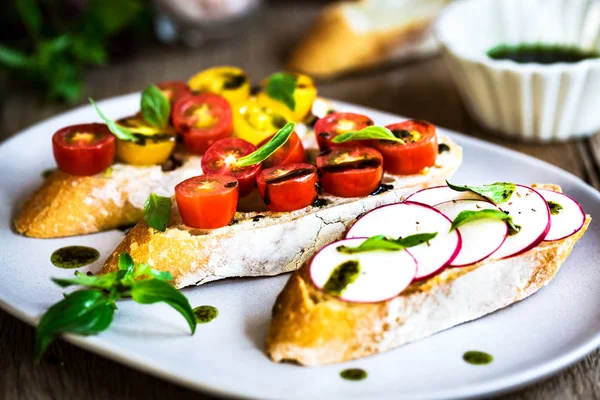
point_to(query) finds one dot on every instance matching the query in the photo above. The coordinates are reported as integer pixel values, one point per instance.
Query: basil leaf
(146, 270)
(370, 132)
(11, 58)
(119, 131)
(382, 243)
(469, 216)
(31, 15)
(155, 107)
(106, 281)
(86, 312)
(157, 211)
(281, 87)
(154, 291)
(269, 148)
(497, 192)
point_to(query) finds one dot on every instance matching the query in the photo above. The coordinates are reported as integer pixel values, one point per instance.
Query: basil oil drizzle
(71, 257)
(541, 53)
(554, 207)
(354, 374)
(205, 314)
(477, 357)
(341, 277)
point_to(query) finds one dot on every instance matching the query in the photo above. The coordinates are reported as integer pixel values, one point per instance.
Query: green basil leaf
(281, 87)
(85, 312)
(110, 21)
(152, 291)
(31, 15)
(147, 271)
(11, 58)
(469, 216)
(157, 211)
(105, 281)
(497, 192)
(382, 243)
(119, 131)
(269, 148)
(155, 107)
(370, 132)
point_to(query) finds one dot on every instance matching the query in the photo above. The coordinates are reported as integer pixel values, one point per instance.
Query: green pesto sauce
(74, 256)
(477, 357)
(205, 314)
(47, 172)
(554, 207)
(342, 276)
(354, 374)
(540, 53)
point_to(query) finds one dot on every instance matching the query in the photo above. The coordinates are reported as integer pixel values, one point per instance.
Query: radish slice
(405, 219)
(565, 221)
(480, 238)
(529, 211)
(441, 194)
(382, 275)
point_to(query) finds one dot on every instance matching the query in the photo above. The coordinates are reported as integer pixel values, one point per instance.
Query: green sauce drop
(354, 374)
(540, 53)
(342, 276)
(554, 207)
(47, 172)
(477, 357)
(205, 314)
(74, 256)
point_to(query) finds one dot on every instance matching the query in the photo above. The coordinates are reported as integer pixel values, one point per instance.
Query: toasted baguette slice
(67, 205)
(301, 332)
(354, 35)
(260, 242)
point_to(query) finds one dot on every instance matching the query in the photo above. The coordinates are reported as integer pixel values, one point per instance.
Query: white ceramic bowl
(531, 102)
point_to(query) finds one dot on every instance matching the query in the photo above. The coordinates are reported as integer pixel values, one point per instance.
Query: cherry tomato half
(288, 187)
(419, 152)
(153, 145)
(202, 119)
(207, 201)
(292, 152)
(173, 90)
(352, 172)
(335, 124)
(83, 150)
(230, 82)
(220, 158)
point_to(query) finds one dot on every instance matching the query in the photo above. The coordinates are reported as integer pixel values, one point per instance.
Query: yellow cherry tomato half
(254, 122)
(153, 146)
(230, 82)
(304, 95)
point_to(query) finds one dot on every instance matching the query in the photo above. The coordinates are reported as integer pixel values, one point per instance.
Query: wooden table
(421, 90)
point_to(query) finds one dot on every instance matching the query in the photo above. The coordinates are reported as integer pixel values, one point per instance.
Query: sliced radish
(480, 238)
(382, 275)
(528, 210)
(405, 219)
(567, 220)
(441, 194)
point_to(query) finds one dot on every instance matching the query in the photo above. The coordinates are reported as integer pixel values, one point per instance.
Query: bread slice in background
(351, 36)
(303, 316)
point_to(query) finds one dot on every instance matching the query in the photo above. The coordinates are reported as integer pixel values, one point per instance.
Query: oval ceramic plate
(529, 340)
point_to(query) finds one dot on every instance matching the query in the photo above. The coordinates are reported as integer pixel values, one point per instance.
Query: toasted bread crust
(303, 316)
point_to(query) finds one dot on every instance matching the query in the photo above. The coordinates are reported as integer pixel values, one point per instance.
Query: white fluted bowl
(532, 102)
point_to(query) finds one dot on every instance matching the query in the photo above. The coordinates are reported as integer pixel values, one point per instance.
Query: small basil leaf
(370, 132)
(147, 271)
(469, 216)
(31, 15)
(415, 240)
(157, 211)
(269, 148)
(155, 107)
(497, 192)
(119, 131)
(281, 87)
(154, 291)
(11, 58)
(86, 312)
(382, 243)
(105, 281)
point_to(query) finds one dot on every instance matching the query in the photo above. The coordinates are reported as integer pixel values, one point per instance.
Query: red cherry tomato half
(174, 90)
(202, 119)
(207, 201)
(419, 152)
(220, 158)
(288, 187)
(335, 124)
(292, 152)
(83, 150)
(352, 172)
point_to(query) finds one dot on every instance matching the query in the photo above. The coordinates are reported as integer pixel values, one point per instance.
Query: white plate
(529, 340)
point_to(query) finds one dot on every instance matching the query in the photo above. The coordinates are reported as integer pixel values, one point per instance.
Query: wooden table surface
(420, 90)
